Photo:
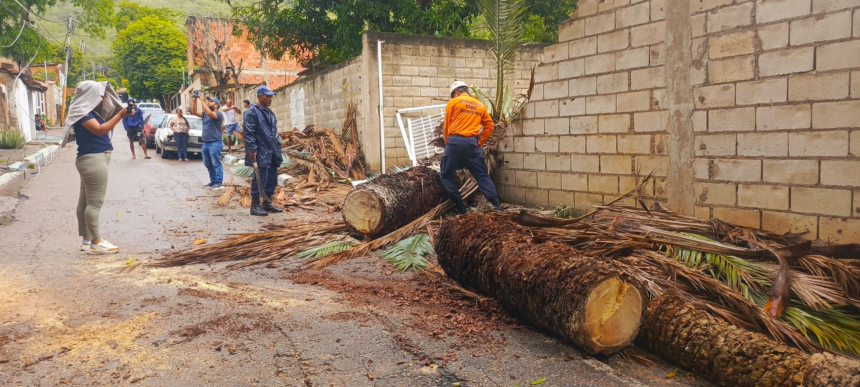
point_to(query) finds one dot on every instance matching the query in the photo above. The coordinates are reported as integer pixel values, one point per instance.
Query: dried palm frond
(409, 253)
(258, 248)
(228, 194)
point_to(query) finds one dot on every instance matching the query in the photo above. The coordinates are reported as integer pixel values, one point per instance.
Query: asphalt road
(72, 319)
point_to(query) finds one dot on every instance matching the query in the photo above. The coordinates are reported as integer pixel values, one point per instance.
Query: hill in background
(99, 50)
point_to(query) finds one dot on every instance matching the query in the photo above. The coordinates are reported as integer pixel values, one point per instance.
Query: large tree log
(392, 201)
(583, 299)
(732, 356)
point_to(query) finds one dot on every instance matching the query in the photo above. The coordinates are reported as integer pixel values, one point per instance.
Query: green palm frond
(325, 249)
(409, 253)
(287, 161)
(505, 27)
(243, 171)
(399, 168)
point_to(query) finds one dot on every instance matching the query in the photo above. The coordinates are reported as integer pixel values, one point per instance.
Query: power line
(23, 24)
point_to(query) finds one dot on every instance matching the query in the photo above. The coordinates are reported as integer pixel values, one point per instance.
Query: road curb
(38, 156)
(7, 177)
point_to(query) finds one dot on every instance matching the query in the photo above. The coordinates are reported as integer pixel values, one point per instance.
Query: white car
(166, 146)
(149, 108)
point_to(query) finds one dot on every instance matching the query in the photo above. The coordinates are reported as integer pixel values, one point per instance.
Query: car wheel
(157, 149)
(165, 154)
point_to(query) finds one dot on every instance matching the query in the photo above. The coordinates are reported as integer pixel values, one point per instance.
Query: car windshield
(156, 119)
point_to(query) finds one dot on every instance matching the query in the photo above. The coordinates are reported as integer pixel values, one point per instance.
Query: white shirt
(229, 115)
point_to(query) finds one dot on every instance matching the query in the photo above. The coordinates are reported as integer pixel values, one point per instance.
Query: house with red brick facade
(228, 65)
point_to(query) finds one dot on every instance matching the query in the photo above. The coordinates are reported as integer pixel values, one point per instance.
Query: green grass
(11, 139)
(99, 50)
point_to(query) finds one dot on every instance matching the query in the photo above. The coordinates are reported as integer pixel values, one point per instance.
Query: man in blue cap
(134, 130)
(263, 146)
(213, 144)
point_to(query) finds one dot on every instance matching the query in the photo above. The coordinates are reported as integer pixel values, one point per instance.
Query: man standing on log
(465, 116)
(263, 147)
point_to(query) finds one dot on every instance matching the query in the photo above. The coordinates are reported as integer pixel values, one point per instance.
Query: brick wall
(775, 90)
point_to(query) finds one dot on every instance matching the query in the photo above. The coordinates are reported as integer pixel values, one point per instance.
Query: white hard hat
(458, 84)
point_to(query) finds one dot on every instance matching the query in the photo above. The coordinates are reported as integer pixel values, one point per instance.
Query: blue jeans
(212, 160)
(464, 152)
(181, 145)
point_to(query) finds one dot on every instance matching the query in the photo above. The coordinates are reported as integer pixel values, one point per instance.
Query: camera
(196, 94)
(130, 107)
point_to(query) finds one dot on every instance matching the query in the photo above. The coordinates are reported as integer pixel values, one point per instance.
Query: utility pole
(84, 58)
(94, 70)
(65, 84)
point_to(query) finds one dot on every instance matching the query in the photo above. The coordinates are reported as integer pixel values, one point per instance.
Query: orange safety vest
(466, 116)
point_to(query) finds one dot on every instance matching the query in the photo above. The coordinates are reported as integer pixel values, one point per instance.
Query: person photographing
(467, 128)
(134, 129)
(262, 151)
(213, 144)
(93, 113)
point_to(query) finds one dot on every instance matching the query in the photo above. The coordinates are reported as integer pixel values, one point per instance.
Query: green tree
(128, 12)
(150, 53)
(329, 31)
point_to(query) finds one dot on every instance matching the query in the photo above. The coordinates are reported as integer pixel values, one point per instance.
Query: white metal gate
(418, 132)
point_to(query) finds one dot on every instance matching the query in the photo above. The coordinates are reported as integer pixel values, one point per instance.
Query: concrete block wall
(778, 104)
(418, 71)
(327, 96)
(596, 116)
(775, 90)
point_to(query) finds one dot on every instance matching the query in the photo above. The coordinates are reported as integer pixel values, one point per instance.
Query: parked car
(166, 146)
(150, 125)
(150, 108)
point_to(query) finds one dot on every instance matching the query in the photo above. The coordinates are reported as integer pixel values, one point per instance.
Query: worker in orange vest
(467, 128)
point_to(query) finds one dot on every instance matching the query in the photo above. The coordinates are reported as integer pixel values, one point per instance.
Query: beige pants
(93, 169)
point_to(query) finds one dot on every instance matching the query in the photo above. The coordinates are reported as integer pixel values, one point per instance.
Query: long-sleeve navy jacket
(133, 121)
(261, 135)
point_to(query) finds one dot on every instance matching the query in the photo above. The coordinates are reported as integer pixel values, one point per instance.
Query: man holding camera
(262, 151)
(213, 144)
(134, 129)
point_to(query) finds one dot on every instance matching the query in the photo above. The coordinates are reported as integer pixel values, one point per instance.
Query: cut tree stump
(392, 201)
(730, 356)
(583, 299)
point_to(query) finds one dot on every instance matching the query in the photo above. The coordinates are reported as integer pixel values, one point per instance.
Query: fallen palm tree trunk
(584, 299)
(732, 356)
(392, 201)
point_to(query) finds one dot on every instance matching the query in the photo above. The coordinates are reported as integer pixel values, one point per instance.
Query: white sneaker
(85, 245)
(104, 247)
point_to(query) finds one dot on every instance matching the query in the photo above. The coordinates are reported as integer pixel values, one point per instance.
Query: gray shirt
(212, 127)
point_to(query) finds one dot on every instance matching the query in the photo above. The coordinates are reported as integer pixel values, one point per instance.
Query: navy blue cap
(264, 90)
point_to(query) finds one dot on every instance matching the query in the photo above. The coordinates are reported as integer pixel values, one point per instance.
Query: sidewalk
(12, 178)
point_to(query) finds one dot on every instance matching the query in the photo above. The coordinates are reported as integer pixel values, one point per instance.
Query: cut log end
(363, 210)
(612, 314)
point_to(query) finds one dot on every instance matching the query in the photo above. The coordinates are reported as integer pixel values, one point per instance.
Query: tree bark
(584, 299)
(732, 356)
(392, 201)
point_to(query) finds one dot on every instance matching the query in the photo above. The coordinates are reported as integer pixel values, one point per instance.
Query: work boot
(268, 207)
(459, 206)
(496, 204)
(256, 209)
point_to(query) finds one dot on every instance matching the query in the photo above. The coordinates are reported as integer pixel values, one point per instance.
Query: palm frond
(325, 249)
(409, 253)
(243, 171)
(503, 21)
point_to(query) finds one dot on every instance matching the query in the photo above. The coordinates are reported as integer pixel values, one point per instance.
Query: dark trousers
(464, 152)
(269, 178)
